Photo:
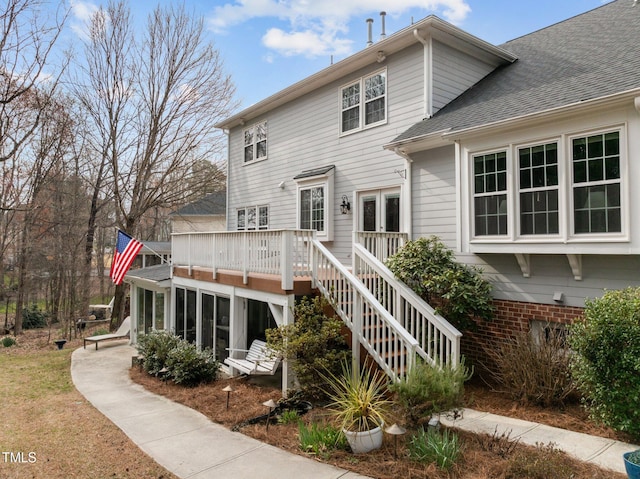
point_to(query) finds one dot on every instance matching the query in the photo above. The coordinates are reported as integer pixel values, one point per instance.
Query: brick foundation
(509, 317)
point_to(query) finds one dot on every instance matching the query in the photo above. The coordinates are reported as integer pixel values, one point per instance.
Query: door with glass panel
(215, 324)
(380, 210)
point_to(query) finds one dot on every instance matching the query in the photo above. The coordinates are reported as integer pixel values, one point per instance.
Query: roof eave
(432, 25)
(408, 146)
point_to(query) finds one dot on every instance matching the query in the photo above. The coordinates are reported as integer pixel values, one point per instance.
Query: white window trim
(325, 181)
(545, 243)
(255, 143)
(257, 209)
(361, 105)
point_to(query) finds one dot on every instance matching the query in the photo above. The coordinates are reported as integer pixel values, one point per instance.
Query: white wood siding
(434, 195)
(305, 134)
(453, 73)
(610, 268)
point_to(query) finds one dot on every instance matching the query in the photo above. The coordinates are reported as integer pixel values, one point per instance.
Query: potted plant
(359, 405)
(632, 464)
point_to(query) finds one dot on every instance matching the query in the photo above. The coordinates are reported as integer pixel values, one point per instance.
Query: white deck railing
(381, 244)
(393, 323)
(278, 252)
(439, 341)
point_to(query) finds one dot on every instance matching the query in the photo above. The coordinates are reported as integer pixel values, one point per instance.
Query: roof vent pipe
(383, 35)
(369, 32)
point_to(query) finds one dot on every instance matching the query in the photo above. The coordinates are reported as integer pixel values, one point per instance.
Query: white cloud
(81, 13)
(319, 27)
(306, 43)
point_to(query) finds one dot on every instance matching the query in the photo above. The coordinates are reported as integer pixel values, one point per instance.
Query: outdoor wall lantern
(345, 207)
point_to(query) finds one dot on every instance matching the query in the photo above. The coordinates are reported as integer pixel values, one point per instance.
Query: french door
(379, 210)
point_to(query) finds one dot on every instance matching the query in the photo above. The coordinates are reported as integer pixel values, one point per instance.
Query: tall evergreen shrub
(606, 359)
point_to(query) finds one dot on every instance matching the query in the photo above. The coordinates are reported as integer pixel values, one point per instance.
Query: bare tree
(154, 100)
(26, 46)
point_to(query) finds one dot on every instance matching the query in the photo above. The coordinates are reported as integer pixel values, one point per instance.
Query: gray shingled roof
(212, 204)
(157, 273)
(314, 172)
(589, 56)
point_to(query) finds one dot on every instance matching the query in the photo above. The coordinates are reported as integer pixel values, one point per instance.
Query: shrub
(154, 348)
(543, 462)
(534, 369)
(8, 341)
(459, 292)
(288, 417)
(33, 318)
(313, 343)
(189, 366)
(441, 448)
(428, 389)
(320, 439)
(606, 363)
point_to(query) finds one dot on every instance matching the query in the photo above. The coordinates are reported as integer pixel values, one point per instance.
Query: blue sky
(269, 44)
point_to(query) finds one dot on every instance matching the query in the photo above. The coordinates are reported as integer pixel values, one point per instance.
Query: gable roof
(212, 204)
(590, 56)
(431, 25)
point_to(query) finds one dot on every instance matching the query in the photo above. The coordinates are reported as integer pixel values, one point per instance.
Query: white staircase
(392, 323)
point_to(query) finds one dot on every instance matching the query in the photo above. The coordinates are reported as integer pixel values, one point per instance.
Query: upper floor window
(596, 183)
(364, 103)
(255, 142)
(252, 218)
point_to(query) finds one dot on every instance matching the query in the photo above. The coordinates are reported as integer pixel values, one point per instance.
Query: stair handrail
(351, 319)
(403, 293)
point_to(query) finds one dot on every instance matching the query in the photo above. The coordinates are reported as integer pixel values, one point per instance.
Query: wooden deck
(269, 283)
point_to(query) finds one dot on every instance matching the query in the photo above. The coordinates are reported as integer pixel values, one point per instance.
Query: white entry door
(379, 210)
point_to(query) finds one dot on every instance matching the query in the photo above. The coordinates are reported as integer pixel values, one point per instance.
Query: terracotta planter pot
(365, 441)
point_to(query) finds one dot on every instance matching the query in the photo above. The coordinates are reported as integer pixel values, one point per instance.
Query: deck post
(286, 260)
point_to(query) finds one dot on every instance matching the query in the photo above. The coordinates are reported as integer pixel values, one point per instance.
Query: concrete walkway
(189, 445)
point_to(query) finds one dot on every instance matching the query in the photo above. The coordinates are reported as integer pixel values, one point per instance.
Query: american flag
(126, 251)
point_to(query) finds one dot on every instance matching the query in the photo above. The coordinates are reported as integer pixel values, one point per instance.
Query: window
(255, 142)
(538, 168)
(364, 103)
(315, 201)
(312, 212)
(252, 218)
(596, 183)
(490, 194)
(185, 314)
(566, 189)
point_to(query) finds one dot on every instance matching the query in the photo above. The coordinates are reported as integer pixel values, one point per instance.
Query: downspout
(428, 90)
(227, 133)
(407, 193)
(459, 192)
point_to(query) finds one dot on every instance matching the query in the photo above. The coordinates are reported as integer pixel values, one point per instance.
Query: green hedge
(606, 360)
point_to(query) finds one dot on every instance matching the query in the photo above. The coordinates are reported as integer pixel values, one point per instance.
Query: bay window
(556, 191)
